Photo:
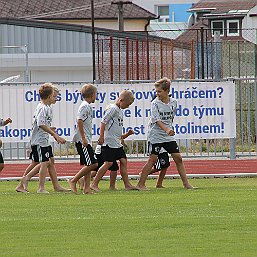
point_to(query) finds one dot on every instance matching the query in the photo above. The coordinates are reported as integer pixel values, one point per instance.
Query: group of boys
(110, 148)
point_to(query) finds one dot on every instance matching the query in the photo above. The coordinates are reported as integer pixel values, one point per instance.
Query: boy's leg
(113, 176)
(20, 187)
(161, 178)
(88, 159)
(87, 179)
(181, 170)
(1, 162)
(81, 180)
(146, 170)
(35, 170)
(102, 170)
(83, 172)
(54, 179)
(162, 165)
(124, 175)
(42, 176)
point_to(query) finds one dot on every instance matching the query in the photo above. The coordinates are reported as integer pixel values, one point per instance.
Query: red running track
(134, 167)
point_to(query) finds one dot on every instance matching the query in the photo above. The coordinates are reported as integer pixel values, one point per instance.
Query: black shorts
(1, 158)
(113, 154)
(41, 154)
(163, 161)
(87, 155)
(170, 147)
(114, 167)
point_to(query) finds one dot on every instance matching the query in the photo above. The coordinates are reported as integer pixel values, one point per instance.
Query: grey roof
(223, 6)
(69, 10)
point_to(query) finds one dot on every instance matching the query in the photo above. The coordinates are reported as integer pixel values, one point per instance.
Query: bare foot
(160, 186)
(130, 187)
(95, 188)
(42, 191)
(20, 189)
(142, 188)
(190, 187)
(24, 183)
(72, 186)
(61, 189)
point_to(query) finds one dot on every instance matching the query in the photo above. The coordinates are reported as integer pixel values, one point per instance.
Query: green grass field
(218, 219)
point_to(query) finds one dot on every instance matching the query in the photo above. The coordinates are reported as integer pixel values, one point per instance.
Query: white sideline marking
(176, 176)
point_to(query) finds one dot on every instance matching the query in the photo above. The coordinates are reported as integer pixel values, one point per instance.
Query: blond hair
(88, 90)
(127, 96)
(163, 83)
(46, 90)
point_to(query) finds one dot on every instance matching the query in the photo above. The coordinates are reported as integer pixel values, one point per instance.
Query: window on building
(233, 27)
(217, 26)
(163, 12)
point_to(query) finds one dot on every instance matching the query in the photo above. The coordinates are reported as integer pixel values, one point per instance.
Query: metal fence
(243, 145)
(194, 54)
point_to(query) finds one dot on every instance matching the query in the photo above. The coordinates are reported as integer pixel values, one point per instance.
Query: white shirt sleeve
(42, 117)
(109, 113)
(83, 113)
(155, 112)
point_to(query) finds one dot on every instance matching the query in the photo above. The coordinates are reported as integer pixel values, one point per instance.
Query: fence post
(161, 55)
(137, 60)
(255, 54)
(232, 148)
(172, 61)
(218, 55)
(192, 76)
(202, 52)
(148, 58)
(127, 59)
(111, 59)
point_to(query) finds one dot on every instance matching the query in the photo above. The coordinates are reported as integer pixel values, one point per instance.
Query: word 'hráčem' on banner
(204, 110)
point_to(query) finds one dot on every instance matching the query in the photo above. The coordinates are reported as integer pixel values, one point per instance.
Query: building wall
(48, 66)
(53, 55)
(250, 23)
(129, 25)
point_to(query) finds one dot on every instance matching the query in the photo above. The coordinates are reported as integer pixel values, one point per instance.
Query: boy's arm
(53, 134)
(81, 132)
(7, 121)
(101, 137)
(169, 131)
(127, 134)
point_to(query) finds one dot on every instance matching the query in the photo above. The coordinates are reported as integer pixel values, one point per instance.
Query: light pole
(121, 12)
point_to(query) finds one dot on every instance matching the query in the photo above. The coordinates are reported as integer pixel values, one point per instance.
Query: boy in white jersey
(83, 139)
(3, 123)
(110, 138)
(41, 128)
(161, 133)
(113, 169)
(34, 167)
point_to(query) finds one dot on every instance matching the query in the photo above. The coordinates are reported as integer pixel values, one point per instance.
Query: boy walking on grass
(34, 167)
(83, 139)
(41, 129)
(110, 138)
(161, 133)
(113, 169)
